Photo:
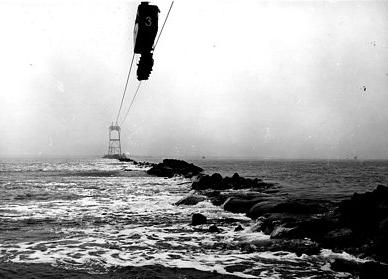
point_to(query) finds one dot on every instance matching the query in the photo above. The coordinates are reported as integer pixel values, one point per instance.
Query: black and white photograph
(193, 139)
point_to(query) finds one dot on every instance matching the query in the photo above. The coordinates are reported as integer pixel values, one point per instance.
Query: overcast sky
(231, 78)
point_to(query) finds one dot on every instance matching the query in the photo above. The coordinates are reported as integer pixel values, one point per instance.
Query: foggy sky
(232, 78)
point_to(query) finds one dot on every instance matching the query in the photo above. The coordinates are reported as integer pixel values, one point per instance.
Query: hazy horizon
(252, 79)
(194, 157)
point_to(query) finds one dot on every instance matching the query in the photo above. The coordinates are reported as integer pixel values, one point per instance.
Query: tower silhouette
(114, 150)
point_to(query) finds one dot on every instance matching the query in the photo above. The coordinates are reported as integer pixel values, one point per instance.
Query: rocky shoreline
(358, 225)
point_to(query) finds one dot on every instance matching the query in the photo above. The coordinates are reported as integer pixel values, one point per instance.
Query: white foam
(327, 253)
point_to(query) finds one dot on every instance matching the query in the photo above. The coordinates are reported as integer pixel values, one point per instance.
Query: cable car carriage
(146, 28)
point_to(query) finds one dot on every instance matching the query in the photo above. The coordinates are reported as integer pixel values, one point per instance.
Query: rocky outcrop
(366, 215)
(358, 225)
(217, 182)
(198, 219)
(191, 199)
(123, 158)
(361, 270)
(250, 205)
(257, 204)
(172, 167)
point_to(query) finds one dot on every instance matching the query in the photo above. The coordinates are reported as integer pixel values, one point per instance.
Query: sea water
(95, 214)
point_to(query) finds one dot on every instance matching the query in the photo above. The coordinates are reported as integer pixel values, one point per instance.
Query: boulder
(366, 215)
(313, 227)
(295, 226)
(262, 207)
(198, 219)
(364, 212)
(214, 229)
(246, 204)
(172, 167)
(191, 199)
(237, 205)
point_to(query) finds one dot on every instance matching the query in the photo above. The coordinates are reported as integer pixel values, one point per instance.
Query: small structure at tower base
(114, 149)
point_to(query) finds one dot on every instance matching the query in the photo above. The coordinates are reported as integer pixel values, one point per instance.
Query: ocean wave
(93, 216)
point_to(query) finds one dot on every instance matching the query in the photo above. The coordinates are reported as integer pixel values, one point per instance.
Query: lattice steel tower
(114, 140)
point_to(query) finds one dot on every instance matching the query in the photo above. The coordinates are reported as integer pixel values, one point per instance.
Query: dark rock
(237, 267)
(343, 265)
(198, 219)
(265, 225)
(171, 167)
(123, 158)
(313, 227)
(341, 237)
(367, 216)
(263, 207)
(258, 196)
(381, 240)
(216, 182)
(192, 199)
(208, 182)
(279, 205)
(237, 205)
(295, 226)
(269, 204)
(363, 212)
(237, 180)
(218, 200)
(214, 229)
(216, 197)
(281, 232)
(216, 178)
(238, 228)
(373, 270)
(359, 225)
(236, 198)
(301, 207)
